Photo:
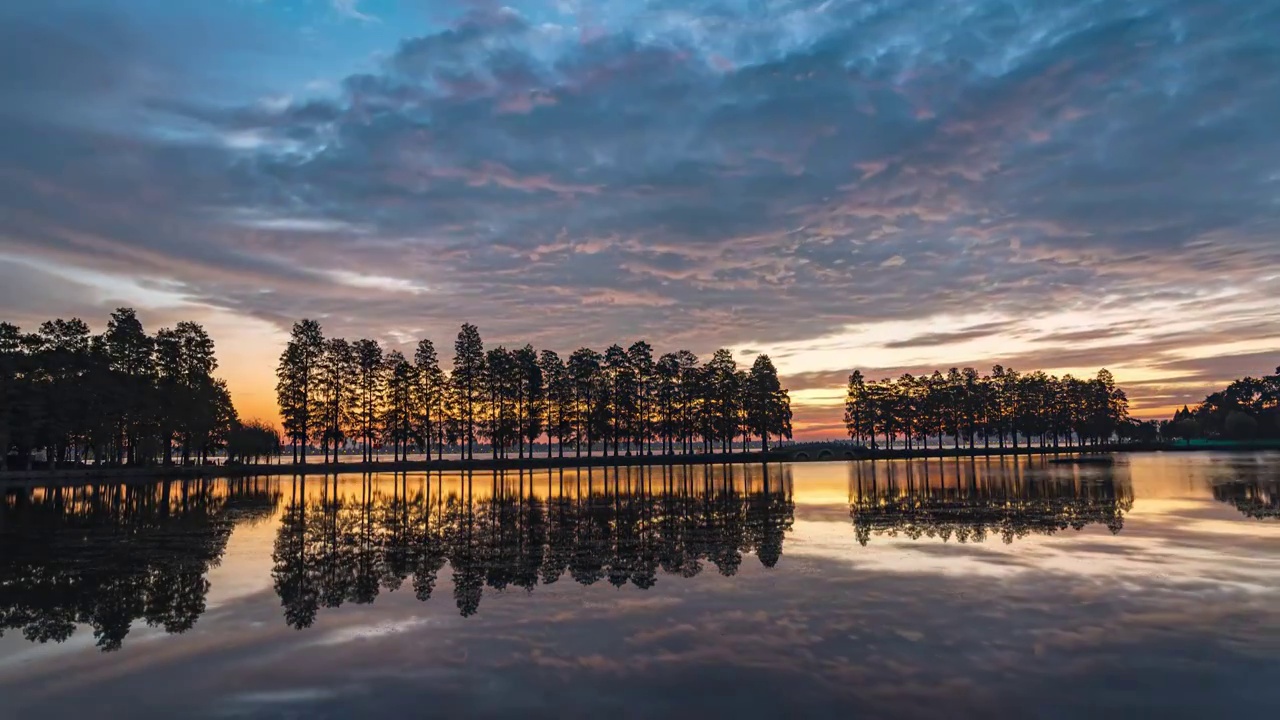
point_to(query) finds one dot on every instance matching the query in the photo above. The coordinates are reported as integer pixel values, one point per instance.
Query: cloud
(703, 174)
(944, 338)
(350, 9)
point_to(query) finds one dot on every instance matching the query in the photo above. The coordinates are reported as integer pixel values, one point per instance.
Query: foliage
(1246, 409)
(120, 397)
(618, 402)
(1003, 406)
(253, 442)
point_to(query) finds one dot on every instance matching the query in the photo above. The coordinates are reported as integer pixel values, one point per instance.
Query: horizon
(891, 188)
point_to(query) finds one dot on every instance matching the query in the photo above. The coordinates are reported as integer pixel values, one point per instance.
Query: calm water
(890, 589)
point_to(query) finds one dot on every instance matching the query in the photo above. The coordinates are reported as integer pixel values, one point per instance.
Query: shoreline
(821, 453)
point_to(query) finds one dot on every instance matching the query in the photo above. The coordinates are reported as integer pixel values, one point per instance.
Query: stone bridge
(821, 450)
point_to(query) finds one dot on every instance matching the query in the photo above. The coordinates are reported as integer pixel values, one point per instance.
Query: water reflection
(105, 556)
(1253, 498)
(518, 530)
(957, 499)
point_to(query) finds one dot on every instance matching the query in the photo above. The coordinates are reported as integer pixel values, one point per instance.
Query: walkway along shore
(835, 452)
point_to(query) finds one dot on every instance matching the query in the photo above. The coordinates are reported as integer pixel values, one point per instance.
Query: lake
(953, 587)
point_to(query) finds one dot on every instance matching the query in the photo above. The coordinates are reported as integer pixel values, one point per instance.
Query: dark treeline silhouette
(1247, 409)
(1253, 498)
(122, 396)
(921, 499)
(617, 525)
(106, 556)
(622, 401)
(988, 410)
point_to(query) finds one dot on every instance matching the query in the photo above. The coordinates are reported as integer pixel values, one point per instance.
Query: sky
(891, 185)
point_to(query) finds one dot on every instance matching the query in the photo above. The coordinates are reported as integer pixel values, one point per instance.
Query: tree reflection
(524, 529)
(954, 498)
(1253, 498)
(105, 556)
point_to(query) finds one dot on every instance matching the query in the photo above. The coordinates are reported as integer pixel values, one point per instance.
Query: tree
(856, 410)
(619, 387)
(11, 386)
(188, 401)
(666, 393)
(767, 405)
(584, 371)
(252, 442)
(337, 388)
(57, 379)
(371, 379)
(640, 360)
(430, 401)
(119, 396)
(721, 408)
(690, 397)
(128, 353)
(297, 378)
(499, 380)
(217, 420)
(398, 411)
(1240, 425)
(1186, 429)
(530, 397)
(467, 379)
(559, 399)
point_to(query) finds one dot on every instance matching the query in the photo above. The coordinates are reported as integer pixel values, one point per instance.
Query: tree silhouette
(298, 376)
(338, 397)
(430, 401)
(13, 399)
(620, 401)
(107, 556)
(558, 390)
(252, 442)
(584, 368)
(643, 372)
(530, 398)
(399, 414)
(1247, 409)
(118, 397)
(766, 405)
(371, 386)
(964, 406)
(468, 382)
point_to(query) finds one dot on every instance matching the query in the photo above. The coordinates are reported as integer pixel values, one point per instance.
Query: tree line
(336, 393)
(1002, 407)
(600, 526)
(121, 396)
(1246, 409)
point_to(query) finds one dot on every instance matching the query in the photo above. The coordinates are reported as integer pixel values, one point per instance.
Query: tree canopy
(122, 396)
(1001, 407)
(1246, 409)
(621, 401)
